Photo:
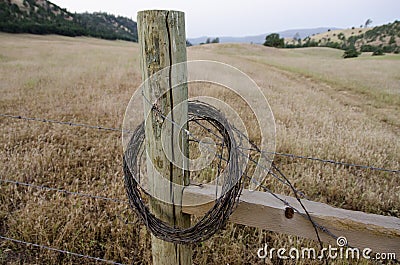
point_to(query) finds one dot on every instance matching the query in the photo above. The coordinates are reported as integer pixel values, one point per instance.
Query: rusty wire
(218, 215)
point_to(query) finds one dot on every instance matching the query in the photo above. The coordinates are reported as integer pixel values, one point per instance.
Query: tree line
(38, 19)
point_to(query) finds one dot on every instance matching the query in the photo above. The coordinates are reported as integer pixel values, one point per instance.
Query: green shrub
(377, 52)
(334, 45)
(367, 48)
(351, 53)
(274, 40)
(388, 49)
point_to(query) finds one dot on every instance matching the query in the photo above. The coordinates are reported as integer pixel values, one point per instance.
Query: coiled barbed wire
(218, 215)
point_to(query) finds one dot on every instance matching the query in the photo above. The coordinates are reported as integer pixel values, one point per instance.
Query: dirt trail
(272, 78)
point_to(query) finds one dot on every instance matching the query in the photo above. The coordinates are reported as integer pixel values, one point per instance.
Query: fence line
(294, 156)
(45, 188)
(60, 251)
(73, 193)
(281, 198)
(306, 215)
(98, 127)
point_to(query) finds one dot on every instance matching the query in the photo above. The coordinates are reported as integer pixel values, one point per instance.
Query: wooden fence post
(162, 43)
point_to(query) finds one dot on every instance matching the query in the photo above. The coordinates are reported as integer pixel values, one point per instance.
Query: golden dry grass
(347, 110)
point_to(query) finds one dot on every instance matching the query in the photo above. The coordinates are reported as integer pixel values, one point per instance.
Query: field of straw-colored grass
(324, 106)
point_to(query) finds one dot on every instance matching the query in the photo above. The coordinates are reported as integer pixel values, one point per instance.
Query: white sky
(251, 17)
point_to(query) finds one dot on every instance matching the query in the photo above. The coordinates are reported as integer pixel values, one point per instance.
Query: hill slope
(385, 37)
(44, 17)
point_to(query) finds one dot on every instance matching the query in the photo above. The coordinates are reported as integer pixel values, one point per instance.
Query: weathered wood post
(162, 44)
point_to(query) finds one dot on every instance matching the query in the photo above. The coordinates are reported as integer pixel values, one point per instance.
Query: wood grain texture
(162, 43)
(262, 210)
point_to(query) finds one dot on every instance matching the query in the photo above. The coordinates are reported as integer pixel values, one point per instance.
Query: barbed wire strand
(28, 244)
(97, 127)
(266, 189)
(74, 193)
(315, 224)
(103, 128)
(330, 161)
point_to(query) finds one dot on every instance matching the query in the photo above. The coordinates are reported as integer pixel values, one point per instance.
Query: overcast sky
(218, 18)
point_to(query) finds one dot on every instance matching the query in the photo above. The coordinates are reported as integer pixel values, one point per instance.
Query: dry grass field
(324, 106)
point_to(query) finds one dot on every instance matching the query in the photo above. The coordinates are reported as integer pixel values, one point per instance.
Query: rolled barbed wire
(224, 205)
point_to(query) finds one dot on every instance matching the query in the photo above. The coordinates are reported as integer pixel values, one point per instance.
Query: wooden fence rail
(262, 210)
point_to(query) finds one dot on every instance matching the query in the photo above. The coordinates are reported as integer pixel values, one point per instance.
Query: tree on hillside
(341, 36)
(209, 40)
(274, 40)
(296, 39)
(216, 40)
(378, 51)
(351, 52)
(368, 22)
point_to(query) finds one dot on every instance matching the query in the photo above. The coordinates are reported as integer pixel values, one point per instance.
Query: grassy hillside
(337, 35)
(44, 17)
(346, 110)
(385, 37)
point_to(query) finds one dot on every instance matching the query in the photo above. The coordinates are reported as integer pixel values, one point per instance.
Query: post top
(159, 11)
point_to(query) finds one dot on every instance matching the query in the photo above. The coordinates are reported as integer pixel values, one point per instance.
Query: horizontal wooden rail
(262, 210)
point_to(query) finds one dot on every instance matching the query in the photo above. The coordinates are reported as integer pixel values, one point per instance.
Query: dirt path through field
(268, 75)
